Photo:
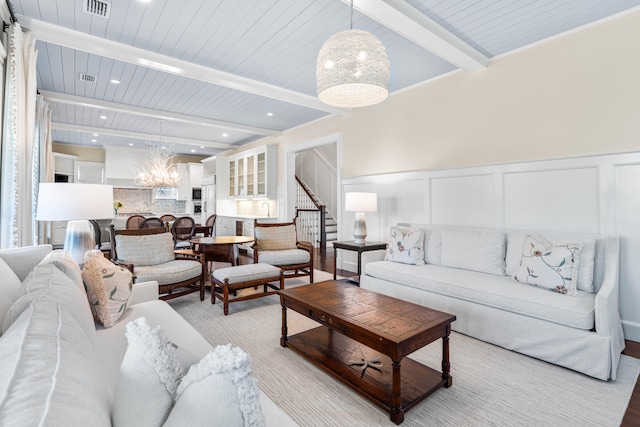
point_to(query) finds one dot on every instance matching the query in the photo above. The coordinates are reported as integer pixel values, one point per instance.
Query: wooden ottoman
(231, 279)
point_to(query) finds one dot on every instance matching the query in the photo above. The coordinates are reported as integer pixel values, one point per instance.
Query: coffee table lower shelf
(335, 353)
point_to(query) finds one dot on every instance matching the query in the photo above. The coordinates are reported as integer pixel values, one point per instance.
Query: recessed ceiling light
(131, 144)
(95, 134)
(202, 146)
(145, 1)
(115, 81)
(193, 151)
(269, 114)
(164, 148)
(103, 117)
(94, 140)
(225, 135)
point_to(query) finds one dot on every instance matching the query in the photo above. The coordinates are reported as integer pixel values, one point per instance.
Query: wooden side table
(351, 245)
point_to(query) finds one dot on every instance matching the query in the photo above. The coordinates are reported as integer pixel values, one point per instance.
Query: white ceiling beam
(126, 53)
(410, 23)
(63, 98)
(138, 135)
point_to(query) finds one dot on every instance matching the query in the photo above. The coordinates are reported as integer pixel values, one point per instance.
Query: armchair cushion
(136, 249)
(276, 238)
(169, 272)
(284, 257)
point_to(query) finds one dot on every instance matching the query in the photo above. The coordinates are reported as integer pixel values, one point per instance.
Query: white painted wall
(598, 194)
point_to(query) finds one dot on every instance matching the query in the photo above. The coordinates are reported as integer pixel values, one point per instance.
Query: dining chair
(105, 247)
(149, 254)
(168, 218)
(183, 229)
(153, 223)
(210, 224)
(277, 244)
(133, 222)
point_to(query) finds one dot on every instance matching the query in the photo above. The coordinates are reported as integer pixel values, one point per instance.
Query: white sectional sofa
(467, 272)
(50, 375)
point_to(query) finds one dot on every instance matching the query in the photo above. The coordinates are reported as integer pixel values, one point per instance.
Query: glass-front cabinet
(254, 173)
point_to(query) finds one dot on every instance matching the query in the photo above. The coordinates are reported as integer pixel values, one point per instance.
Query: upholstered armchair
(149, 255)
(277, 244)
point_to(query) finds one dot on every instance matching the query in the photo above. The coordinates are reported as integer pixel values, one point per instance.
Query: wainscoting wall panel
(565, 200)
(466, 200)
(597, 194)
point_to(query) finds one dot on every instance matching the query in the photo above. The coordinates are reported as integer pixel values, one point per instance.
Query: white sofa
(88, 373)
(581, 332)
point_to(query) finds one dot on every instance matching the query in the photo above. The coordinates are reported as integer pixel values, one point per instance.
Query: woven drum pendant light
(352, 69)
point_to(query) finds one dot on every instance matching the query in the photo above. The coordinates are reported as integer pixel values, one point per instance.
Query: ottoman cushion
(246, 273)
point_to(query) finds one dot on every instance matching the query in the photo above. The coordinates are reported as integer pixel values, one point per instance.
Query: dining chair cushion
(170, 272)
(276, 238)
(284, 257)
(151, 249)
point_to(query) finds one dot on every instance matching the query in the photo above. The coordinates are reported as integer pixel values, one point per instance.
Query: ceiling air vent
(97, 8)
(88, 78)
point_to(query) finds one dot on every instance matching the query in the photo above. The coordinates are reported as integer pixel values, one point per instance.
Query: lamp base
(359, 228)
(79, 239)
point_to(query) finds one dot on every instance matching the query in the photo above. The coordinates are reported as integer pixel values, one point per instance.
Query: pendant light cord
(351, 23)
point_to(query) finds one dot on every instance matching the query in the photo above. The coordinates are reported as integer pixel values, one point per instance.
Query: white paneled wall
(599, 194)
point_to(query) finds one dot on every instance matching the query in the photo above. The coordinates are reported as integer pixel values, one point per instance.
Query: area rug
(491, 386)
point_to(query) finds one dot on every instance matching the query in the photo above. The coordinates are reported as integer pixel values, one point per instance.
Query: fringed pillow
(551, 267)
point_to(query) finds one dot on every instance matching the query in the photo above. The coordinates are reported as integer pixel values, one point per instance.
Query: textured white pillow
(548, 266)
(145, 250)
(152, 375)
(109, 287)
(222, 376)
(433, 246)
(9, 290)
(49, 375)
(149, 375)
(65, 263)
(406, 245)
(477, 250)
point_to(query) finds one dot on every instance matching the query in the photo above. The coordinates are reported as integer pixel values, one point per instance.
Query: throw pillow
(149, 375)
(109, 287)
(548, 266)
(152, 376)
(406, 245)
(477, 250)
(65, 263)
(9, 289)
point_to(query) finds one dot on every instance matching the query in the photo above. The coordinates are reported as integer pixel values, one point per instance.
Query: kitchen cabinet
(225, 226)
(209, 169)
(254, 173)
(195, 174)
(89, 172)
(184, 187)
(64, 167)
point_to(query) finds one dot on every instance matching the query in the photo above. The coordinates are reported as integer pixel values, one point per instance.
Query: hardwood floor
(323, 260)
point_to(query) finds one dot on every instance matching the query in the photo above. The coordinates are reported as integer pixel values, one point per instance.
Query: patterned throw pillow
(406, 245)
(550, 267)
(108, 286)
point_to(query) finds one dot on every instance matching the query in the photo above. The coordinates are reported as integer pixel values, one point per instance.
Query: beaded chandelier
(352, 69)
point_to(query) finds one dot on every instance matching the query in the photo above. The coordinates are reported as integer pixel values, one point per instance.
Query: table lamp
(360, 203)
(76, 203)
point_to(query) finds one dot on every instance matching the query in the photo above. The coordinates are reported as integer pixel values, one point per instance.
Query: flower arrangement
(117, 204)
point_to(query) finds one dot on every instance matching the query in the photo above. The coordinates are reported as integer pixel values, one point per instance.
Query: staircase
(308, 209)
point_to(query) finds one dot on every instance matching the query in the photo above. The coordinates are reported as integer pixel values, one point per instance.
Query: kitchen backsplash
(136, 200)
(260, 208)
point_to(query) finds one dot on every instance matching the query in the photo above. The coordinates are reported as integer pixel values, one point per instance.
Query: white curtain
(17, 174)
(43, 161)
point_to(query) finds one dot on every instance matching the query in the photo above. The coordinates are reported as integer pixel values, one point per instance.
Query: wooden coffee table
(361, 326)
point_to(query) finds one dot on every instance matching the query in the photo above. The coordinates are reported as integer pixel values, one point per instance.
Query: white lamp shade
(361, 202)
(66, 202)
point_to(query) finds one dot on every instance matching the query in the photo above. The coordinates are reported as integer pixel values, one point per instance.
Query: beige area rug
(491, 386)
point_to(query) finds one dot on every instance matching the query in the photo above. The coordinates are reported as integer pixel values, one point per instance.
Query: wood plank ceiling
(222, 73)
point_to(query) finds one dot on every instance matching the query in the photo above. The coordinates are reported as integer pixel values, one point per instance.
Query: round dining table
(220, 248)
